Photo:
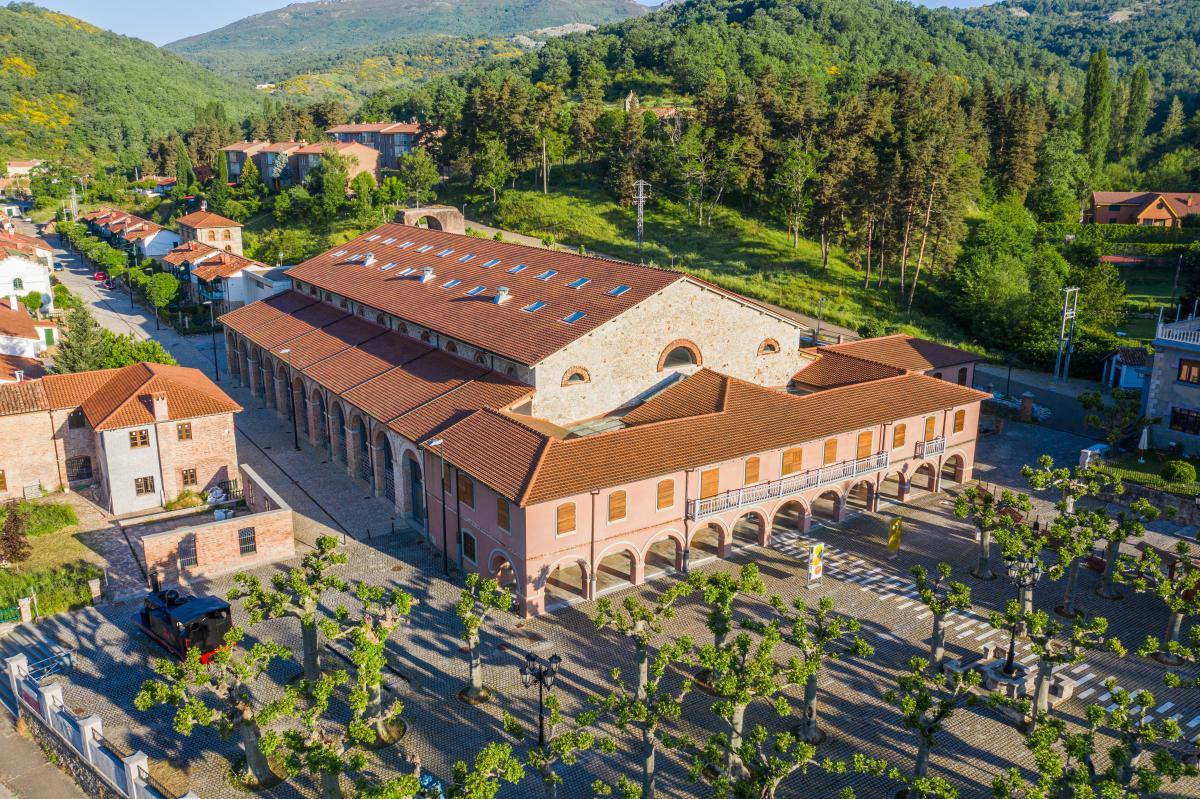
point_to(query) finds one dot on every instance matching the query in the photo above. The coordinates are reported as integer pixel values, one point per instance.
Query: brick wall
(28, 455)
(217, 542)
(211, 451)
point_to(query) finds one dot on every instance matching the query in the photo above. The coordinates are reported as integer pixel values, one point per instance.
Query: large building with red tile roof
(359, 158)
(391, 139)
(1147, 208)
(214, 230)
(562, 421)
(138, 436)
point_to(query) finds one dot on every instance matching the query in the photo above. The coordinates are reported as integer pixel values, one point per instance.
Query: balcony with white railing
(1185, 332)
(787, 486)
(934, 446)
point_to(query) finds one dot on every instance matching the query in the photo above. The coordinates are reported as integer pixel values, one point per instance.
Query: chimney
(19, 375)
(426, 274)
(159, 400)
(12, 302)
(204, 205)
(501, 295)
(1189, 201)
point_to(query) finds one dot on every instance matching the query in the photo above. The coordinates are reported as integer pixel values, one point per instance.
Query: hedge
(1110, 234)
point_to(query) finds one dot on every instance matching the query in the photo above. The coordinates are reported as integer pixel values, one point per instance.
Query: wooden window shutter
(502, 518)
(666, 493)
(792, 460)
(960, 420)
(751, 471)
(830, 455)
(566, 518)
(710, 483)
(864, 445)
(466, 490)
(898, 437)
(616, 506)
(930, 422)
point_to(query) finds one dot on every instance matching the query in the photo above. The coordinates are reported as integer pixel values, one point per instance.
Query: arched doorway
(664, 554)
(707, 540)
(300, 405)
(924, 479)
(387, 469)
(790, 518)
(364, 463)
(952, 470)
(567, 582)
(861, 495)
(416, 488)
(827, 507)
(748, 531)
(337, 433)
(503, 571)
(616, 570)
(892, 487)
(281, 387)
(430, 223)
(320, 421)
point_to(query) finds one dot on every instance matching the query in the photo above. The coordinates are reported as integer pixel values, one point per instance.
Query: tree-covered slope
(1164, 35)
(66, 85)
(277, 44)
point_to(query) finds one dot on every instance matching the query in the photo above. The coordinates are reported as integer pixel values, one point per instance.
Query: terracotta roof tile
(30, 368)
(287, 326)
(123, 400)
(507, 329)
(370, 359)
(491, 390)
(223, 264)
(704, 393)
(406, 388)
(201, 219)
(327, 341)
(833, 369)
(28, 396)
(72, 389)
(905, 352)
(538, 468)
(17, 324)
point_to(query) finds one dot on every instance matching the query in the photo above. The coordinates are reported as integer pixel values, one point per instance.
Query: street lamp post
(544, 674)
(287, 353)
(1024, 574)
(212, 323)
(437, 442)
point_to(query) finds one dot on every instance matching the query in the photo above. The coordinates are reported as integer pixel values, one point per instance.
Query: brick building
(391, 139)
(1148, 208)
(565, 422)
(139, 435)
(359, 159)
(214, 230)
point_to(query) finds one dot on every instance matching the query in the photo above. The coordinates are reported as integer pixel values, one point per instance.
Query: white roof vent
(426, 274)
(19, 375)
(501, 295)
(368, 259)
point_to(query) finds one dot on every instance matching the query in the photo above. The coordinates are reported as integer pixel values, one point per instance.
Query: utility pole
(545, 168)
(1175, 285)
(1066, 332)
(639, 198)
(74, 205)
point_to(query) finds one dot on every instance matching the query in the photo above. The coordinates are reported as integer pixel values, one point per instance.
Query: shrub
(1178, 472)
(186, 499)
(61, 588)
(45, 518)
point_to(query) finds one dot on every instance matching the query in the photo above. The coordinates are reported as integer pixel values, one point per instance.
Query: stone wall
(1186, 509)
(70, 761)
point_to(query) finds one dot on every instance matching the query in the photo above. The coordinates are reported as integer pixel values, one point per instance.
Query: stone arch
(768, 346)
(414, 486)
(231, 355)
(663, 552)
(434, 217)
(337, 432)
(567, 579)
(861, 495)
(500, 566)
(792, 516)
(710, 540)
(618, 566)
(953, 469)
(894, 486)
(319, 424)
(828, 506)
(750, 530)
(243, 357)
(679, 354)
(576, 376)
(299, 405)
(924, 478)
(385, 468)
(359, 444)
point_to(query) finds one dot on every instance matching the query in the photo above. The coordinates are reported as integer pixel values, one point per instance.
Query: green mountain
(1164, 35)
(66, 85)
(307, 37)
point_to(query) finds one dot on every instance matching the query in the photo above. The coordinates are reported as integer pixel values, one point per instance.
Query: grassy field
(60, 563)
(736, 251)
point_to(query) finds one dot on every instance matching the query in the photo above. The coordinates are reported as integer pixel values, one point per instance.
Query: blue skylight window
(425, 248)
(534, 306)
(517, 268)
(490, 263)
(619, 290)
(390, 240)
(573, 317)
(386, 267)
(467, 257)
(407, 244)
(477, 290)
(339, 253)
(408, 270)
(549, 273)
(444, 253)
(579, 282)
(449, 284)
(373, 237)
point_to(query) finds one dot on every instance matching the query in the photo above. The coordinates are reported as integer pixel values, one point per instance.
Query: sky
(162, 21)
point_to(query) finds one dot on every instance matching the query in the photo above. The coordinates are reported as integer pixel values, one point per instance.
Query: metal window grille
(247, 542)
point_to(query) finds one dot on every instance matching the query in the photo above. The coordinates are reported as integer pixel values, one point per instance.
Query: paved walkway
(25, 773)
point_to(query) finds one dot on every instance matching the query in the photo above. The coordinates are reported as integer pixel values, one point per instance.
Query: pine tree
(14, 536)
(1097, 109)
(218, 191)
(1137, 112)
(184, 174)
(81, 348)
(1173, 125)
(250, 181)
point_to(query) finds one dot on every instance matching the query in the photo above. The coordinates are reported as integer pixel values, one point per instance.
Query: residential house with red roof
(573, 424)
(272, 163)
(209, 274)
(1148, 208)
(359, 158)
(22, 334)
(214, 230)
(237, 154)
(139, 435)
(139, 237)
(391, 139)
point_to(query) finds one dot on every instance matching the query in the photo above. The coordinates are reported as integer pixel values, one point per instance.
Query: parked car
(59, 266)
(99, 276)
(108, 284)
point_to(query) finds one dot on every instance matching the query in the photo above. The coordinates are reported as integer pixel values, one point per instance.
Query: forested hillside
(66, 85)
(1163, 35)
(311, 37)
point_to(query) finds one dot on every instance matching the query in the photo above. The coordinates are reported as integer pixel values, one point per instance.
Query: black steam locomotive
(182, 622)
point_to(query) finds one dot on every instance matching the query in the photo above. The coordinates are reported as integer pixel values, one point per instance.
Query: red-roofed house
(391, 139)
(360, 158)
(1148, 208)
(272, 163)
(21, 334)
(238, 153)
(218, 232)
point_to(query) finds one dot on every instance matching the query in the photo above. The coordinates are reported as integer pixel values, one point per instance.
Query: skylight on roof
(373, 237)
(490, 264)
(425, 248)
(390, 240)
(467, 257)
(619, 290)
(444, 253)
(517, 268)
(451, 283)
(408, 270)
(534, 306)
(474, 291)
(549, 273)
(386, 267)
(573, 317)
(579, 282)
(406, 245)
(339, 253)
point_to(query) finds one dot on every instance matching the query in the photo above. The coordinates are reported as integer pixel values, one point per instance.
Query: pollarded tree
(640, 623)
(818, 633)
(987, 511)
(926, 701)
(562, 748)
(1129, 524)
(649, 708)
(297, 594)
(477, 601)
(229, 677)
(1177, 584)
(494, 766)
(317, 746)
(382, 612)
(1072, 484)
(1023, 546)
(719, 591)
(941, 597)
